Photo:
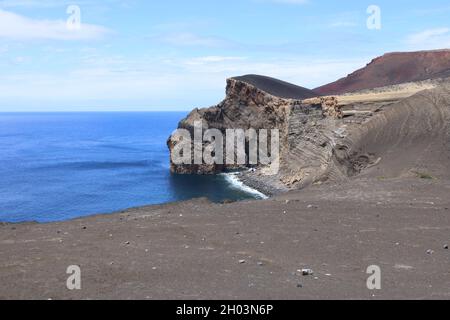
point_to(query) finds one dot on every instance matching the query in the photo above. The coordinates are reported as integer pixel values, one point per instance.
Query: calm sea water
(59, 166)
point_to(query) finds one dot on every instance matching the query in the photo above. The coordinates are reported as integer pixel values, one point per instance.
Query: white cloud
(343, 24)
(291, 1)
(284, 1)
(43, 3)
(4, 48)
(438, 38)
(18, 27)
(191, 39)
(29, 3)
(117, 83)
(212, 59)
(302, 71)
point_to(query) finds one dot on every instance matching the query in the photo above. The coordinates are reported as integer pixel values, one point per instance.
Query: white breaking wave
(233, 179)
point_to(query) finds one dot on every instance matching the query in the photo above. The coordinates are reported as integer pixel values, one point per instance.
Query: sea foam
(233, 179)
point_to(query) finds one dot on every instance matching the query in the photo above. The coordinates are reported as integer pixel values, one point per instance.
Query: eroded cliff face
(245, 107)
(320, 141)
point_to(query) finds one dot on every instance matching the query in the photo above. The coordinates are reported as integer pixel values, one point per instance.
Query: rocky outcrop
(330, 106)
(248, 107)
(244, 107)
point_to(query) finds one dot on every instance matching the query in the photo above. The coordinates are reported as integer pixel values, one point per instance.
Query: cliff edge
(390, 132)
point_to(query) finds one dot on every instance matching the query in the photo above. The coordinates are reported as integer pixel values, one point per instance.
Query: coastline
(234, 179)
(267, 185)
(244, 250)
(238, 180)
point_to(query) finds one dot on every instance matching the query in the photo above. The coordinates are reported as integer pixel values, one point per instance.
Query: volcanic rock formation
(388, 131)
(244, 107)
(393, 68)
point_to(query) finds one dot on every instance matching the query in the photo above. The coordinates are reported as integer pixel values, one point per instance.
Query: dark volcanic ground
(245, 250)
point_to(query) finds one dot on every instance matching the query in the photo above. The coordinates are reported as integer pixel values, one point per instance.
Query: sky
(170, 55)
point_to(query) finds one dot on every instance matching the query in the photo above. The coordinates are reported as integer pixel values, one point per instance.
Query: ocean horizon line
(98, 111)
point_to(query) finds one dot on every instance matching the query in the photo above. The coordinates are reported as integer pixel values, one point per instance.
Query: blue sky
(175, 55)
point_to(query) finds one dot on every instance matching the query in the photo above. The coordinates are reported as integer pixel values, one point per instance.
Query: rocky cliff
(244, 107)
(329, 138)
(249, 107)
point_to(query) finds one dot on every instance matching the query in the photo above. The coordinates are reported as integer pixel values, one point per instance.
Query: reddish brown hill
(391, 69)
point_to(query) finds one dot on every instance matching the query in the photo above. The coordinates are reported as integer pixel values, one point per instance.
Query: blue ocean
(60, 166)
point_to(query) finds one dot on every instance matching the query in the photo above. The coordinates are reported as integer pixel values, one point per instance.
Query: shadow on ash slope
(383, 139)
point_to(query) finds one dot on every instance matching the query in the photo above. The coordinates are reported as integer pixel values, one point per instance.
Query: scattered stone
(312, 206)
(84, 227)
(287, 201)
(260, 263)
(446, 247)
(403, 267)
(127, 243)
(242, 261)
(307, 272)
(429, 251)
